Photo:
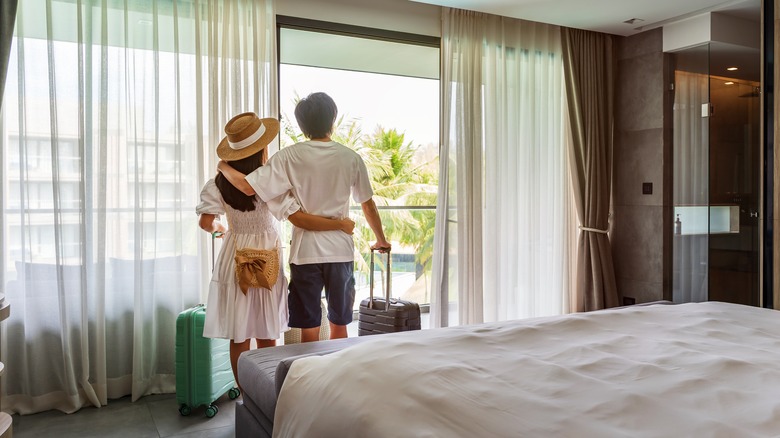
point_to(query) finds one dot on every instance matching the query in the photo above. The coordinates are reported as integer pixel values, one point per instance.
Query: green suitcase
(203, 371)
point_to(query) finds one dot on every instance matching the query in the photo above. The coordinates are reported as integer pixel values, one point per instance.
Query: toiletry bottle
(678, 225)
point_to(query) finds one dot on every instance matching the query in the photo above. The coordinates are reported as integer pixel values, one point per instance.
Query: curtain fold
(459, 209)
(588, 71)
(111, 119)
(502, 249)
(7, 19)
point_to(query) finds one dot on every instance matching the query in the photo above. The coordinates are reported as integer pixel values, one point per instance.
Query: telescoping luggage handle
(213, 259)
(214, 236)
(371, 281)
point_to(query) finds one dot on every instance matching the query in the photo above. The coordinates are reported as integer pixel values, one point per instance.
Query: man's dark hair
(316, 115)
(234, 197)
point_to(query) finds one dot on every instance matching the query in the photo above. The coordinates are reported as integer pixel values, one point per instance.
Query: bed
(699, 369)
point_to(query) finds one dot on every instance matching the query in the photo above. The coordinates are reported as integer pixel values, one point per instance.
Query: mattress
(699, 369)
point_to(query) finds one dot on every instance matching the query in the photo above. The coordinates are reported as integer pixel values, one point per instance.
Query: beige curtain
(588, 72)
(7, 18)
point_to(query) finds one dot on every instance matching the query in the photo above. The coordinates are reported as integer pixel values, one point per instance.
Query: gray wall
(641, 224)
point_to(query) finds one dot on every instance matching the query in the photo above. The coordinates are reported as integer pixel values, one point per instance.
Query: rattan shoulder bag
(256, 267)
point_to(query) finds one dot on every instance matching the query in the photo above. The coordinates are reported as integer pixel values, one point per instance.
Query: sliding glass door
(386, 87)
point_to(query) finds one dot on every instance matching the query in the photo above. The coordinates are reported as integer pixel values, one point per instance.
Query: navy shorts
(306, 284)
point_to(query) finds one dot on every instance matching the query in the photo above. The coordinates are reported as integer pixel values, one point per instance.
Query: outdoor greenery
(398, 179)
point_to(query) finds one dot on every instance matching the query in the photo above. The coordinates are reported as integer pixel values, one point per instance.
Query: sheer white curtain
(691, 183)
(111, 115)
(505, 205)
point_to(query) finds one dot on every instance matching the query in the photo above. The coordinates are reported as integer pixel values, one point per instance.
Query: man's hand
(347, 225)
(382, 246)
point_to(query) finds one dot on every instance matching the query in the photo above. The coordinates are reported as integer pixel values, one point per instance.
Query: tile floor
(154, 416)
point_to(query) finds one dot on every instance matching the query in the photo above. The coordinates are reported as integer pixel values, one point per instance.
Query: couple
(310, 184)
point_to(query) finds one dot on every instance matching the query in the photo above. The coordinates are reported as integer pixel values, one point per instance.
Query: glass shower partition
(734, 190)
(716, 187)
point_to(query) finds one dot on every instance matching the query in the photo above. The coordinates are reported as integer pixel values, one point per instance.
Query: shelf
(699, 220)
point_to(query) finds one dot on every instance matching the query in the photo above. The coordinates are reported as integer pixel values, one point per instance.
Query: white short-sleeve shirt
(322, 176)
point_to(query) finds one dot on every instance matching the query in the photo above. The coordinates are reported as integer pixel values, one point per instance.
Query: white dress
(230, 314)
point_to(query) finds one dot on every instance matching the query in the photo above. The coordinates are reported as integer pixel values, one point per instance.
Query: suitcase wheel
(184, 409)
(234, 393)
(211, 411)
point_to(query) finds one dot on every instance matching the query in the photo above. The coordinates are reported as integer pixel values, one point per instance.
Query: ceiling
(607, 16)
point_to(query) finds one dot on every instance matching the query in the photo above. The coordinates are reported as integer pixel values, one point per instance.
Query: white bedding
(694, 370)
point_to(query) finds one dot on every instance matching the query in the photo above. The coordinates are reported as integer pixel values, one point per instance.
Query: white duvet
(688, 370)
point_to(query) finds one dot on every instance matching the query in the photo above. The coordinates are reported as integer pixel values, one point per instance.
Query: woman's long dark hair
(234, 197)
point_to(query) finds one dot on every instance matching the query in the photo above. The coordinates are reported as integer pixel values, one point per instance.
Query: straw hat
(246, 134)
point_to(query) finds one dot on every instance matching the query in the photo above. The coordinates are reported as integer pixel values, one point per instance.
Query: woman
(259, 313)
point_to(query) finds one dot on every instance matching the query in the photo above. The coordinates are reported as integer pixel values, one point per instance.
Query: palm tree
(403, 183)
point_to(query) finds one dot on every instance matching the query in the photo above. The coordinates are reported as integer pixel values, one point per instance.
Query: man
(321, 174)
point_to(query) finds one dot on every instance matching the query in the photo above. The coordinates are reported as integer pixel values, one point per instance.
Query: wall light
(732, 68)
(729, 83)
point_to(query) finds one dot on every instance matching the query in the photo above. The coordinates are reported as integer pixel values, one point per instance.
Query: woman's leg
(236, 348)
(263, 343)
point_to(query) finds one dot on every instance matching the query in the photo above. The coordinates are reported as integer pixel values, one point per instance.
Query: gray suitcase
(384, 314)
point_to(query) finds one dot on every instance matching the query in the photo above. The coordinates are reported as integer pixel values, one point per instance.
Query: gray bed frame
(262, 372)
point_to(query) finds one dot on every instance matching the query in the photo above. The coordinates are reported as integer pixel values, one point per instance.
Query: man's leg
(310, 334)
(306, 282)
(337, 331)
(340, 294)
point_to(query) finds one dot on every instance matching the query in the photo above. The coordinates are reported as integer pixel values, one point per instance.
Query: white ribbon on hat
(249, 140)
